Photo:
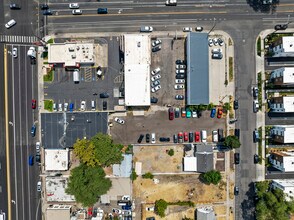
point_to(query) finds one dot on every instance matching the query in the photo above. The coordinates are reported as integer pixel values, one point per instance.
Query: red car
(197, 136)
(34, 103)
(90, 211)
(219, 112)
(186, 136)
(171, 113)
(180, 137)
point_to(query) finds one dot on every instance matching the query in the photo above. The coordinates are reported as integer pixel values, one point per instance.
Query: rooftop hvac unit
(71, 49)
(73, 56)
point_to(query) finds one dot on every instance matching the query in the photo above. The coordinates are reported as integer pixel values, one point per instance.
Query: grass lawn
(48, 105)
(49, 76)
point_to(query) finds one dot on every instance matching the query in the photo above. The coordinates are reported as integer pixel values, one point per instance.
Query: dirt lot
(156, 160)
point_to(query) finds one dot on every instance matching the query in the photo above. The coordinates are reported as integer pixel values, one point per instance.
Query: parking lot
(64, 90)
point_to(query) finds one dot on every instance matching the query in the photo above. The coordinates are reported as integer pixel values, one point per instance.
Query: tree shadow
(258, 6)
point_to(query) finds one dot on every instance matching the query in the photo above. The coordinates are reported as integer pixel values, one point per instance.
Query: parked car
(38, 158)
(255, 136)
(216, 50)
(164, 139)
(180, 137)
(38, 144)
(156, 88)
(255, 106)
(60, 107)
(71, 107)
(39, 186)
(104, 105)
(180, 66)
(153, 100)
(156, 77)
(119, 120)
(255, 92)
(237, 158)
(180, 76)
(183, 112)
(203, 136)
(157, 48)
(188, 113)
(210, 42)
(236, 190)
(181, 62)
(180, 81)
(217, 56)
(171, 113)
(255, 158)
(44, 7)
(236, 104)
(179, 86)
(194, 114)
(220, 42)
(150, 218)
(219, 112)
(179, 97)
(199, 113)
(187, 29)
(155, 83)
(155, 71)
(175, 138)
(220, 134)
(33, 130)
(237, 133)
(156, 42)
(214, 136)
(140, 138)
(212, 113)
(34, 103)
(47, 12)
(104, 95)
(83, 105)
(65, 106)
(197, 136)
(147, 138)
(186, 138)
(191, 137)
(14, 52)
(153, 139)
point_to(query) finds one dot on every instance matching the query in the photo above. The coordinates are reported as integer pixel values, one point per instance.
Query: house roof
(125, 168)
(204, 155)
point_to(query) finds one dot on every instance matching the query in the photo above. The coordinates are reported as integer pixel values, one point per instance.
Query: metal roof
(204, 155)
(197, 69)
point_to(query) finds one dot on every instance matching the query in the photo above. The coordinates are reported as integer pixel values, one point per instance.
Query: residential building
(282, 104)
(58, 212)
(283, 47)
(286, 185)
(283, 76)
(205, 213)
(283, 134)
(283, 161)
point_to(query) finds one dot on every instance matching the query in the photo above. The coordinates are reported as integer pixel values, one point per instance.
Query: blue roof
(197, 69)
(125, 168)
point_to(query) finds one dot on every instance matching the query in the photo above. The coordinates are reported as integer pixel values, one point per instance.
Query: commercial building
(205, 213)
(56, 159)
(283, 134)
(58, 212)
(55, 190)
(137, 60)
(282, 104)
(287, 186)
(283, 47)
(283, 76)
(282, 161)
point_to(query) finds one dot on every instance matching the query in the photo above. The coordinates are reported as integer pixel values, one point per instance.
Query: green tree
(210, 106)
(171, 152)
(212, 176)
(133, 175)
(148, 175)
(160, 207)
(85, 151)
(87, 183)
(202, 107)
(227, 106)
(232, 141)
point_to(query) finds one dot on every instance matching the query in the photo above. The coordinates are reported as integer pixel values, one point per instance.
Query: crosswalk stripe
(18, 39)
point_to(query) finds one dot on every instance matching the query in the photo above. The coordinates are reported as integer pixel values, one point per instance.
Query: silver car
(155, 83)
(156, 88)
(156, 77)
(14, 52)
(179, 86)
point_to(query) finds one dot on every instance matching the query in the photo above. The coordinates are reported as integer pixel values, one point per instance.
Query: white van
(203, 136)
(93, 105)
(76, 76)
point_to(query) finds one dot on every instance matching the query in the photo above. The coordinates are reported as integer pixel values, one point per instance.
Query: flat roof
(58, 212)
(137, 69)
(288, 75)
(197, 69)
(55, 190)
(288, 102)
(190, 164)
(284, 182)
(124, 169)
(288, 43)
(71, 54)
(120, 187)
(56, 159)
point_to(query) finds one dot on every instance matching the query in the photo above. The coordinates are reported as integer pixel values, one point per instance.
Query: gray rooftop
(204, 158)
(125, 168)
(197, 69)
(60, 131)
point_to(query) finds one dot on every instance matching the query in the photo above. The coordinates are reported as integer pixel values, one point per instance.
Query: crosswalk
(17, 39)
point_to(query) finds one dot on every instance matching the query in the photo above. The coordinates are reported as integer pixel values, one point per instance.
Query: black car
(236, 190)
(180, 62)
(176, 138)
(279, 27)
(14, 6)
(223, 148)
(256, 158)
(237, 133)
(44, 7)
(199, 113)
(104, 95)
(150, 218)
(38, 158)
(154, 100)
(236, 104)
(180, 76)
(164, 139)
(47, 12)
(255, 136)
(140, 138)
(179, 97)
(255, 92)
(147, 138)
(237, 158)
(220, 133)
(104, 105)
(157, 48)
(191, 137)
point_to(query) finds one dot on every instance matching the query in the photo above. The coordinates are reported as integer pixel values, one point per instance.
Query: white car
(10, 23)
(156, 88)
(215, 41)
(77, 12)
(155, 71)
(38, 146)
(14, 52)
(150, 209)
(146, 29)
(156, 42)
(156, 77)
(214, 136)
(194, 114)
(39, 186)
(153, 140)
(83, 105)
(210, 42)
(65, 106)
(180, 81)
(180, 66)
(187, 29)
(74, 6)
(118, 120)
(216, 50)
(54, 107)
(179, 86)
(60, 107)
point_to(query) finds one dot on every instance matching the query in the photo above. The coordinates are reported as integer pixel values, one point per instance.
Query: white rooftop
(288, 102)
(58, 212)
(285, 182)
(71, 54)
(55, 190)
(137, 69)
(288, 75)
(56, 159)
(190, 164)
(288, 43)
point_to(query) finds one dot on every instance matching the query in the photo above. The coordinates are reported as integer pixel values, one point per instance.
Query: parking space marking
(118, 79)
(88, 74)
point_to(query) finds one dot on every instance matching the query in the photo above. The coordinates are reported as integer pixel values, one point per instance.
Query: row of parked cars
(180, 83)
(155, 80)
(184, 112)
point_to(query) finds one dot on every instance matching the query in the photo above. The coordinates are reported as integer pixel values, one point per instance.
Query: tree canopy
(99, 150)
(232, 141)
(87, 183)
(212, 176)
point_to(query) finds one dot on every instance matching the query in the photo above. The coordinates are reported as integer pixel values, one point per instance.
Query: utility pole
(214, 24)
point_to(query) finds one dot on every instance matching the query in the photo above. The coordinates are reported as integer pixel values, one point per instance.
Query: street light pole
(214, 24)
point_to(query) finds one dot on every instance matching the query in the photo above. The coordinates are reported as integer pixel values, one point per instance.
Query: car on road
(255, 136)
(164, 139)
(155, 71)
(156, 77)
(188, 113)
(102, 11)
(119, 120)
(236, 104)
(180, 76)
(214, 136)
(104, 95)
(147, 138)
(153, 139)
(179, 86)
(140, 138)
(219, 112)
(83, 105)
(44, 7)
(217, 56)
(280, 27)
(155, 83)
(255, 106)
(255, 158)
(34, 103)
(237, 158)
(146, 29)
(157, 48)
(236, 190)
(104, 104)
(179, 81)
(10, 23)
(191, 137)
(197, 136)
(171, 2)
(175, 137)
(77, 12)
(199, 29)
(156, 42)
(180, 137)
(74, 6)
(187, 29)
(31, 160)
(14, 52)
(186, 138)
(47, 12)
(179, 97)
(212, 113)
(39, 186)
(33, 131)
(156, 88)
(255, 92)
(14, 6)
(183, 112)
(171, 113)
(153, 100)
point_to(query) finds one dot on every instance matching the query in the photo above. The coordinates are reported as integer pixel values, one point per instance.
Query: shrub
(160, 207)
(210, 106)
(48, 105)
(258, 46)
(171, 152)
(148, 175)
(212, 176)
(133, 175)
